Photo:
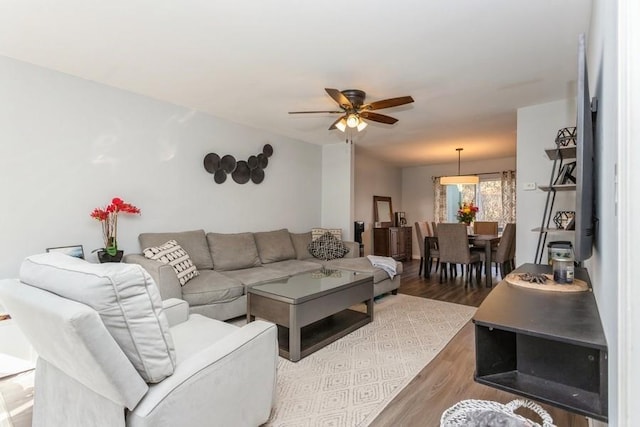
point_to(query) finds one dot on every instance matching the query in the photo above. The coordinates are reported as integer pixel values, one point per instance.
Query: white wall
(417, 187)
(374, 178)
(627, 329)
(337, 188)
(603, 266)
(537, 129)
(68, 145)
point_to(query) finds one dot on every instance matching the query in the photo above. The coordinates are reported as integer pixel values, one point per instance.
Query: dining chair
(504, 253)
(422, 231)
(453, 244)
(511, 259)
(428, 228)
(434, 252)
(434, 247)
(485, 227)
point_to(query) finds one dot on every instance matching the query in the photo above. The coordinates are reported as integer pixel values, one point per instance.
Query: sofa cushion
(316, 233)
(327, 247)
(125, 297)
(256, 275)
(197, 334)
(233, 251)
(274, 246)
(211, 287)
(172, 253)
(301, 244)
(193, 242)
(291, 267)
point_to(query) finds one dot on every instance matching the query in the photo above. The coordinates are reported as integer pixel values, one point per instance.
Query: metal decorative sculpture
(241, 171)
(533, 278)
(563, 218)
(566, 137)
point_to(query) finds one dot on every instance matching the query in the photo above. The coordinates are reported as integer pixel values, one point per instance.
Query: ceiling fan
(354, 110)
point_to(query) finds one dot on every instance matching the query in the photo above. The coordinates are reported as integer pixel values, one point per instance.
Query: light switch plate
(528, 186)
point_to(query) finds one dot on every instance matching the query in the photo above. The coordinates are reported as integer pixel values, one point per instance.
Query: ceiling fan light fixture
(342, 125)
(353, 120)
(459, 179)
(361, 125)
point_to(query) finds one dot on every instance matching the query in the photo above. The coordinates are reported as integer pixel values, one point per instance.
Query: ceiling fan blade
(375, 117)
(339, 97)
(388, 103)
(333, 125)
(314, 112)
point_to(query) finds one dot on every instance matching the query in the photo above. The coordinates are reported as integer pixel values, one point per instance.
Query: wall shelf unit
(559, 155)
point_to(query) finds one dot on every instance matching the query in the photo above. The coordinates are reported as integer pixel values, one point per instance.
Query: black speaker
(358, 229)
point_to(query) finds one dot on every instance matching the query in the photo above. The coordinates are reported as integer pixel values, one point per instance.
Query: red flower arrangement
(467, 213)
(108, 216)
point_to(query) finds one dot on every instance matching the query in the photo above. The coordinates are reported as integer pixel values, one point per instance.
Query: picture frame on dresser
(565, 175)
(73, 250)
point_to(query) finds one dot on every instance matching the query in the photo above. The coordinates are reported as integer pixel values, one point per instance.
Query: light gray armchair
(112, 354)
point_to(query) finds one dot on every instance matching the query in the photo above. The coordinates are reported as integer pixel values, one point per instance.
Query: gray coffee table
(312, 309)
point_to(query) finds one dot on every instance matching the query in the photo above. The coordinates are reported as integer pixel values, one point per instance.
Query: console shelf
(559, 187)
(561, 152)
(548, 346)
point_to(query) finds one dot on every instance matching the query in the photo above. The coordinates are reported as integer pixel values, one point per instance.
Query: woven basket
(482, 412)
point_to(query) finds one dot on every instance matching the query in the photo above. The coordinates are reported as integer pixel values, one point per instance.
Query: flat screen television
(584, 217)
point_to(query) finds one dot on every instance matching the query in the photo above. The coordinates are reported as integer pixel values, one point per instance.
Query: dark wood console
(394, 242)
(548, 346)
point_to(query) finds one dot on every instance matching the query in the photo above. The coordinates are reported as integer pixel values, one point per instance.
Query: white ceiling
(469, 64)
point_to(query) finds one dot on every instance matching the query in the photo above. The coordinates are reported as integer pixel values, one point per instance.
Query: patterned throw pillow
(172, 253)
(317, 232)
(327, 247)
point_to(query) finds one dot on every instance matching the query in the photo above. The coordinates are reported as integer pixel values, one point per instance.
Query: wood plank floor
(449, 377)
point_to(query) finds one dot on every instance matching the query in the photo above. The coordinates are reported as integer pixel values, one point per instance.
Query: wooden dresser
(394, 242)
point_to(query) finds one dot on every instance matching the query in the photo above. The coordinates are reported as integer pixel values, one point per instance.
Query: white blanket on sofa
(386, 263)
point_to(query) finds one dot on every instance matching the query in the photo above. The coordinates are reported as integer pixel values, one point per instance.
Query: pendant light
(459, 179)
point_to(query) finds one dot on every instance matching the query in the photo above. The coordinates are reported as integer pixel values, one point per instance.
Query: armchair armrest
(176, 310)
(163, 274)
(212, 383)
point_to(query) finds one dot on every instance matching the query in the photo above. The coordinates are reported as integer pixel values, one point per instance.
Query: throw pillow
(172, 253)
(125, 297)
(316, 233)
(327, 247)
(194, 242)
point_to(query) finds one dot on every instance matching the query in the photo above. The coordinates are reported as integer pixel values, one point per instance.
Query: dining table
(486, 241)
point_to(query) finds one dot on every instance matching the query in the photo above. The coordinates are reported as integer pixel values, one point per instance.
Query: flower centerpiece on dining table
(108, 217)
(467, 213)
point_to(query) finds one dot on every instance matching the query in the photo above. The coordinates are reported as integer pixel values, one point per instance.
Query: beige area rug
(349, 382)
(16, 399)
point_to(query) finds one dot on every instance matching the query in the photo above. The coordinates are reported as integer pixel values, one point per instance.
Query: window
(487, 195)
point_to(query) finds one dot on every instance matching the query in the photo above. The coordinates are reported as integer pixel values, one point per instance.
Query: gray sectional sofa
(229, 263)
